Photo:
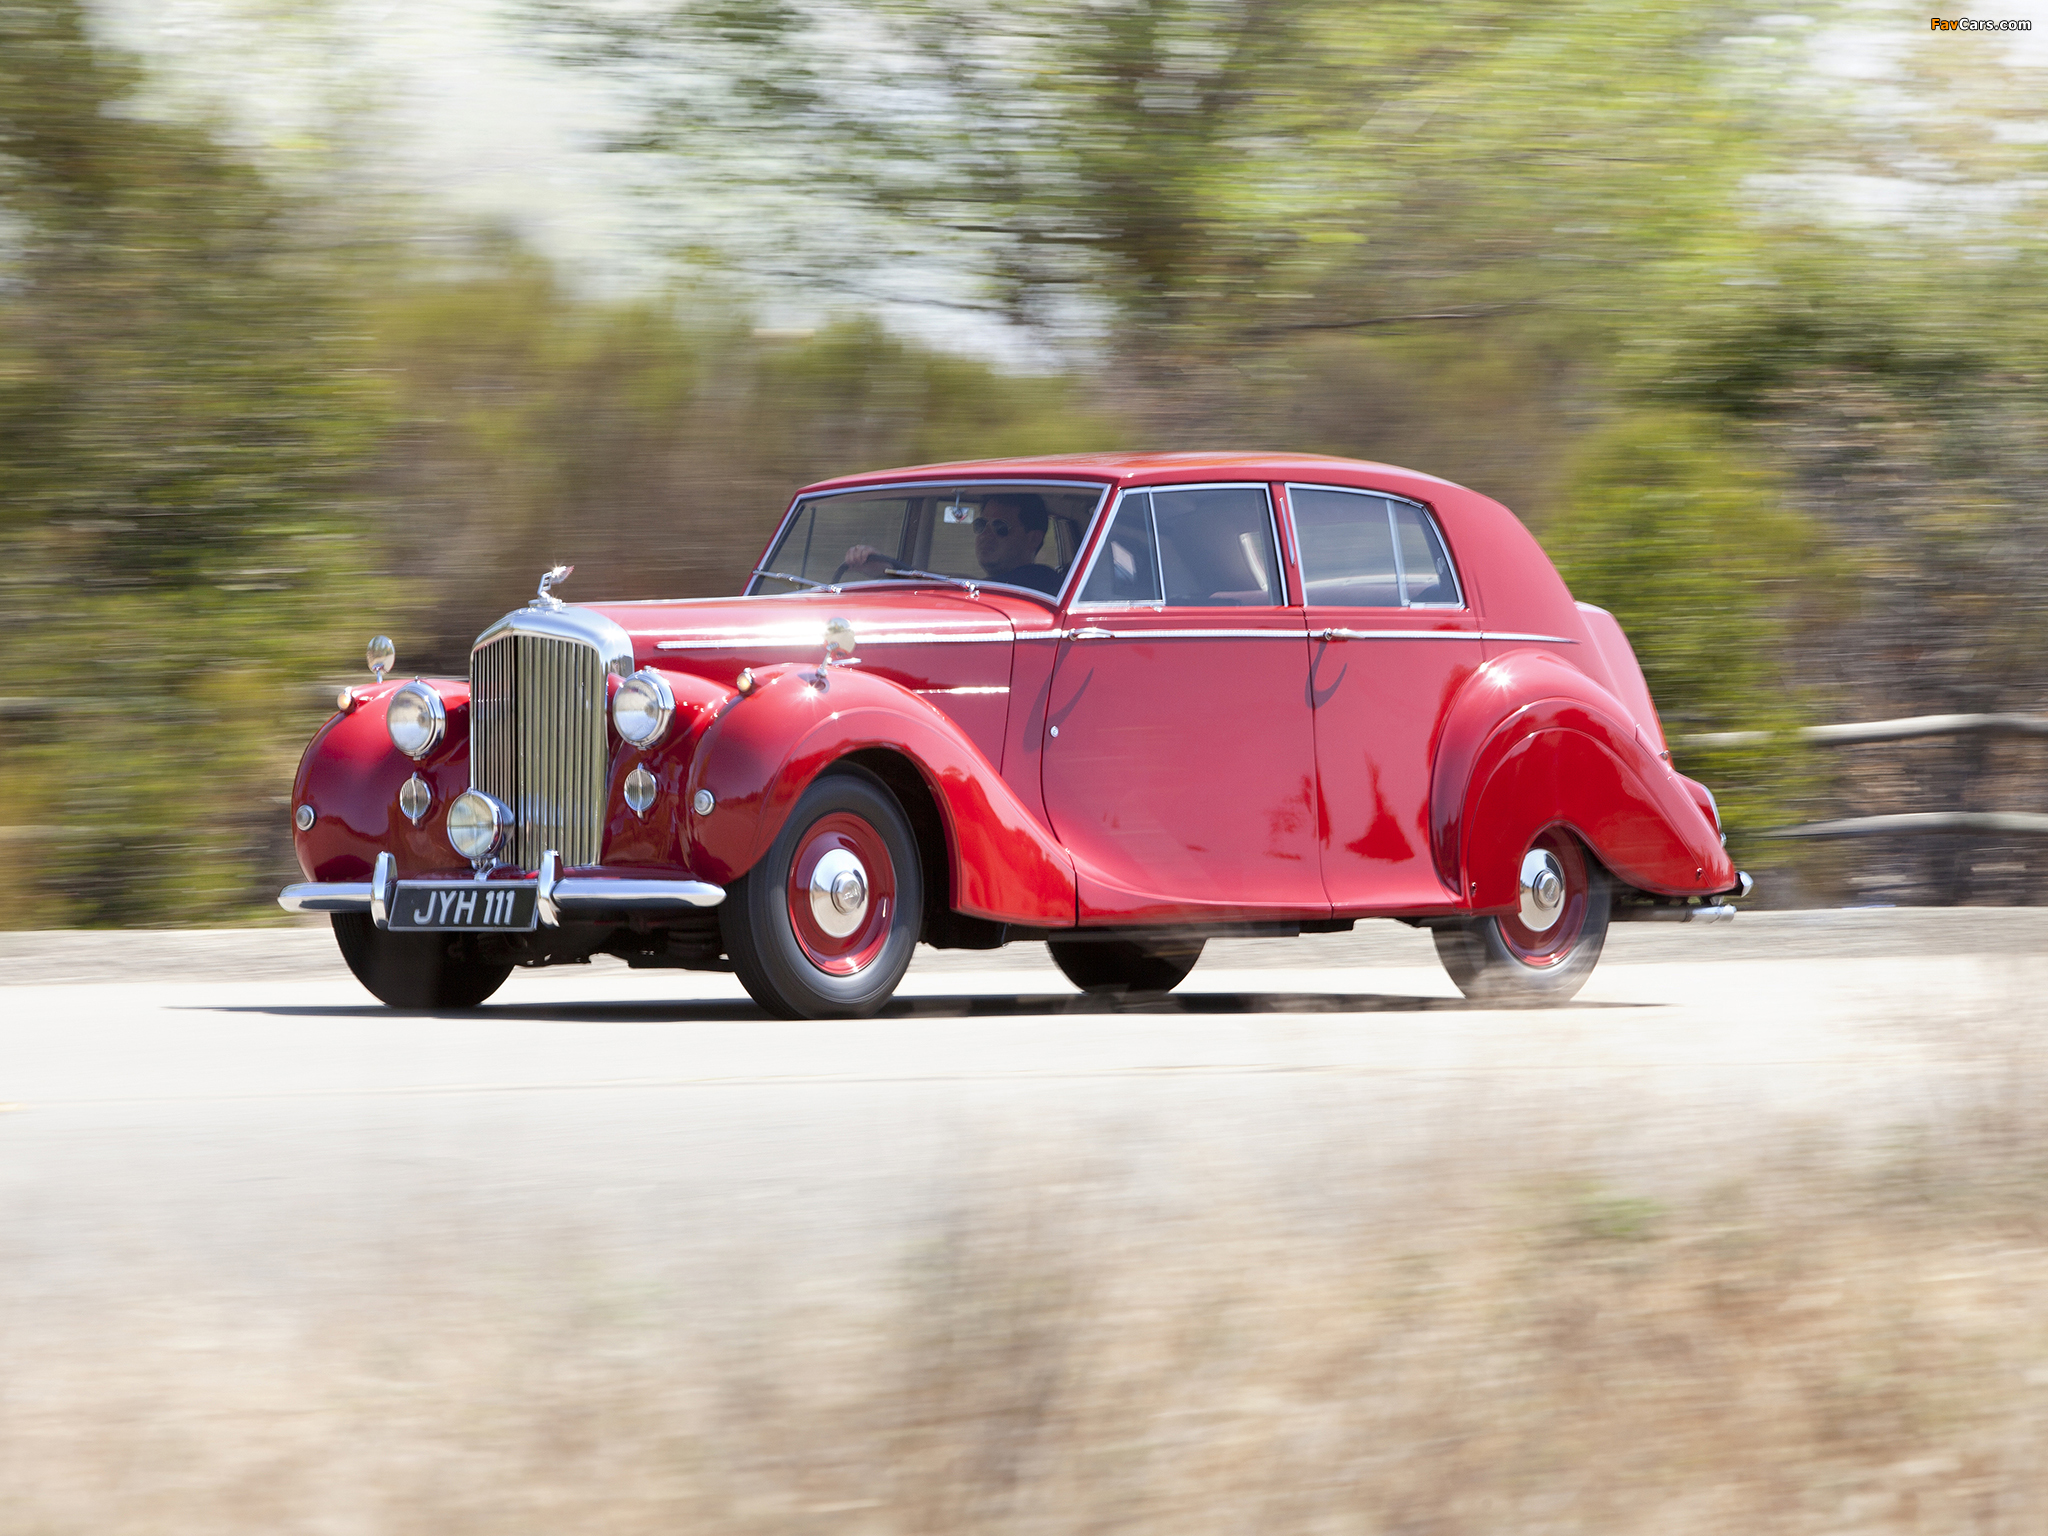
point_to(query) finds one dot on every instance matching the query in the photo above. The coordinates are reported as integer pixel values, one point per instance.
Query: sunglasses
(995, 525)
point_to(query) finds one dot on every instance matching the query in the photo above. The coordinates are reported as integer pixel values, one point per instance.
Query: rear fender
(762, 751)
(1534, 743)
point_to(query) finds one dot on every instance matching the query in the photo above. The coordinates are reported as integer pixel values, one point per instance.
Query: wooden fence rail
(1911, 728)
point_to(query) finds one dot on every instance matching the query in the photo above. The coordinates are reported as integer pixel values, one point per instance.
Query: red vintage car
(1119, 703)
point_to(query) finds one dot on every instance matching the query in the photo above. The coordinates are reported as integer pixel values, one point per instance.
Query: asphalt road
(232, 1104)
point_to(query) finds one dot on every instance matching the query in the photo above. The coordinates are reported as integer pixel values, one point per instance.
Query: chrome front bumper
(557, 898)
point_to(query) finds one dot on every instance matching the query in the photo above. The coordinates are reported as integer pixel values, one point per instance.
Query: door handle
(1089, 633)
(1336, 634)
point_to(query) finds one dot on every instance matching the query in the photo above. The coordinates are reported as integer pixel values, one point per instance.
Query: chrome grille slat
(538, 742)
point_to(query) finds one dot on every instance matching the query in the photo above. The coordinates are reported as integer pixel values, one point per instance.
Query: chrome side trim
(1435, 634)
(936, 637)
(1400, 634)
(808, 642)
(994, 688)
(1090, 632)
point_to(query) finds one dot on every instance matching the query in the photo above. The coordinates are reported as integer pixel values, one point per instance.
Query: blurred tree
(1672, 524)
(1905, 409)
(178, 420)
(1194, 174)
(651, 442)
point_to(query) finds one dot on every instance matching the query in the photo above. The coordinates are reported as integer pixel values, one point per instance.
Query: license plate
(463, 906)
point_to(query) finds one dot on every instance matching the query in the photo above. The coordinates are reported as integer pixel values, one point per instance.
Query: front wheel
(1126, 964)
(825, 925)
(416, 970)
(1541, 953)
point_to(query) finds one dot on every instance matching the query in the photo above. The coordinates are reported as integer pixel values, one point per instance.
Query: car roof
(1123, 469)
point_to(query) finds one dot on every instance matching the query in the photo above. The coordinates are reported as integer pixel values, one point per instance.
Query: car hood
(951, 650)
(716, 634)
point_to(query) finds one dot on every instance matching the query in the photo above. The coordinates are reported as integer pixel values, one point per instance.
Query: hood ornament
(544, 598)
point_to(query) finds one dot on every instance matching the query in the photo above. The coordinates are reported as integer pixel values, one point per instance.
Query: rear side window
(1360, 550)
(1194, 547)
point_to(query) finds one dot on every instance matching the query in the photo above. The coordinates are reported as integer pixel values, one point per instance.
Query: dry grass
(1823, 1340)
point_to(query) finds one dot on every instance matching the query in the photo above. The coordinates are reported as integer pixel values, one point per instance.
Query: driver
(1007, 538)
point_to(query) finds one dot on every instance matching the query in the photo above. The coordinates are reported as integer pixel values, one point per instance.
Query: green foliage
(1534, 250)
(176, 425)
(651, 443)
(1668, 522)
(1201, 175)
(228, 452)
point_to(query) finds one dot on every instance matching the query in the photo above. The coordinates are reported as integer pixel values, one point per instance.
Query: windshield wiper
(798, 581)
(973, 587)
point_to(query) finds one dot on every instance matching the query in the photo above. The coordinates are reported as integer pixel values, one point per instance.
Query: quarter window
(1359, 550)
(1127, 566)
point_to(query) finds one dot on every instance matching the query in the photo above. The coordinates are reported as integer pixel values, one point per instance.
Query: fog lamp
(477, 824)
(640, 790)
(415, 798)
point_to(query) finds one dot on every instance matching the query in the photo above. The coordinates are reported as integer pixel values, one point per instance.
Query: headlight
(642, 708)
(477, 824)
(415, 719)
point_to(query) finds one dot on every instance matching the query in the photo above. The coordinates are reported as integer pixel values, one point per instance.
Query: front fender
(762, 751)
(1534, 743)
(659, 840)
(351, 774)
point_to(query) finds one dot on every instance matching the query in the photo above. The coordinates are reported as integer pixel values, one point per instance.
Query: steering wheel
(844, 567)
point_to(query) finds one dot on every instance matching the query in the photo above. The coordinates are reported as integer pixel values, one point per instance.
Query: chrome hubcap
(839, 893)
(1542, 890)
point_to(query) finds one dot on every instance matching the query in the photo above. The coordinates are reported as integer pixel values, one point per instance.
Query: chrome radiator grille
(537, 741)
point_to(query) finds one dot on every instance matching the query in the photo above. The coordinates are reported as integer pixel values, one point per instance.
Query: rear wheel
(1126, 964)
(416, 970)
(825, 925)
(1542, 952)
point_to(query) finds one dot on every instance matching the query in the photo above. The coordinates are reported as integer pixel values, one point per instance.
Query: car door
(1179, 752)
(1391, 641)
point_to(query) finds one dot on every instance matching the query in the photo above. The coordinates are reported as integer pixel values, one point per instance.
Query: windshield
(1007, 533)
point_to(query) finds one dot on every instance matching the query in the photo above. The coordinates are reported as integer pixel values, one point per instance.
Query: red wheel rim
(841, 845)
(1541, 948)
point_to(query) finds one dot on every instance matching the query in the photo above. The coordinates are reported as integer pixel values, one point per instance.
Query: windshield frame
(1105, 492)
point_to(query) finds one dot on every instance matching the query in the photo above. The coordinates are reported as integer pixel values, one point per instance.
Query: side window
(1347, 549)
(1127, 566)
(1364, 551)
(1216, 547)
(1425, 569)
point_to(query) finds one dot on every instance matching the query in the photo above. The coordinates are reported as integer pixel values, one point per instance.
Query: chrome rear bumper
(559, 897)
